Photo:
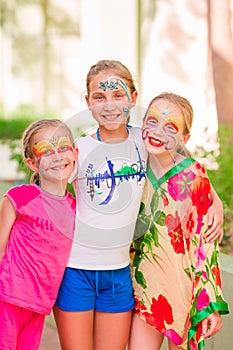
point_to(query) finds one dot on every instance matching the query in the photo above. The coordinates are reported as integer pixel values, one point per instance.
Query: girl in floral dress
(176, 275)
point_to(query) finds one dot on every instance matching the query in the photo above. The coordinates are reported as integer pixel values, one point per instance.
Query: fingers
(214, 233)
(204, 327)
(211, 235)
(211, 325)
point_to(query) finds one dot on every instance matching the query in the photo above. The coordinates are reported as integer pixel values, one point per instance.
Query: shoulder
(22, 194)
(82, 140)
(136, 134)
(136, 131)
(198, 169)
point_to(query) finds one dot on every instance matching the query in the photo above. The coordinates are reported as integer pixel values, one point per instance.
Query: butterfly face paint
(47, 148)
(163, 125)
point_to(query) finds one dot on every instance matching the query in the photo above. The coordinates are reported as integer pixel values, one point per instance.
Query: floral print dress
(176, 275)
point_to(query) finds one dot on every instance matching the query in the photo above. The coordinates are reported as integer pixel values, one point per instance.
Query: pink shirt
(38, 248)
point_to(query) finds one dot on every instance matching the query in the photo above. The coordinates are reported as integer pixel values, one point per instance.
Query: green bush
(12, 125)
(221, 179)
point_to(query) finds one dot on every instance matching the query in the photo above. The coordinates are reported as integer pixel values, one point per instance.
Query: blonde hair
(186, 111)
(31, 131)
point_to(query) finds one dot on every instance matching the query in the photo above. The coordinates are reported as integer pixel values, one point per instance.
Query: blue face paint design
(113, 84)
(125, 87)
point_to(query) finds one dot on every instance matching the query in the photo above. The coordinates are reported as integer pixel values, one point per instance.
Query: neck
(112, 136)
(56, 189)
(160, 165)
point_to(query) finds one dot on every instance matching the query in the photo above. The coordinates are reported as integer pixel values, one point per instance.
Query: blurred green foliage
(221, 179)
(13, 124)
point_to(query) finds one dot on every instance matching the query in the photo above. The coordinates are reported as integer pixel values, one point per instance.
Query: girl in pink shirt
(37, 225)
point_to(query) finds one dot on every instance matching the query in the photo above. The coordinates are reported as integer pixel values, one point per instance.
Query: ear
(186, 138)
(75, 150)
(134, 98)
(32, 164)
(87, 100)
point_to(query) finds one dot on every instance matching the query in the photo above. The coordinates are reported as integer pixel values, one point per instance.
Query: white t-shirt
(108, 185)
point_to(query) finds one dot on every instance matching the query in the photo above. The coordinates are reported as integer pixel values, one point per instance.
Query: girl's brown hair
(31, 131)
(119, 69)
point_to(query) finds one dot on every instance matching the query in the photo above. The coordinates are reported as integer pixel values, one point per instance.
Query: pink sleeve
(21, 195)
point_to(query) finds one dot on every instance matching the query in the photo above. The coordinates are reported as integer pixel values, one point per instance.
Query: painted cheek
(172, 142)
(145, 132)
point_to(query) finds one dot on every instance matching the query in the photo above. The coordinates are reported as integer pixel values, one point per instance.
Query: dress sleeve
(207, 289)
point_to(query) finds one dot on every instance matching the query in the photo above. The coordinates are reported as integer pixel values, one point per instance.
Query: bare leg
(172, 346)
(111, 330)
(75, 329)
(143, 336)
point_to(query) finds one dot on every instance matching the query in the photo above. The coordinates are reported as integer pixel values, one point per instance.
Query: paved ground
(49, 339)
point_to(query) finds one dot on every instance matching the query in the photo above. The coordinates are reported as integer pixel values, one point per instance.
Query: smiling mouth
(59, 167)
(155, 142)
(111, 117)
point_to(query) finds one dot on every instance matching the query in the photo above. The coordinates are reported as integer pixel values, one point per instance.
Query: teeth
(110, 117)
(156, 141)
(59, 167)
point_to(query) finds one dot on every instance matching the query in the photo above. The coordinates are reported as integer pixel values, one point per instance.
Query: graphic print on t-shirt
(113, 174)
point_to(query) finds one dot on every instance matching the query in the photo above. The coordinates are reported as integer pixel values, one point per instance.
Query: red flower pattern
(161, 313)
(200, 194)
(216, 271)
(175, 231)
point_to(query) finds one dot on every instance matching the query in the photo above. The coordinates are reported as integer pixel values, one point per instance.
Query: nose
(158, 129)
(109, 105)
(58, 155)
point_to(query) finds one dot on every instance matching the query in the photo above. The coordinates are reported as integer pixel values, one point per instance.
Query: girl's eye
(64, 148)
(151, 121)
(98, 97)
(47, 152)
(172, 128)
(120, 95)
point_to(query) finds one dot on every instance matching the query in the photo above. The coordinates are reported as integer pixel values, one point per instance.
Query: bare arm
(7, 219)
(215, 219)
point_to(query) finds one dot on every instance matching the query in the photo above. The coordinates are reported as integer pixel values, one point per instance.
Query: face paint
(47, 148)
(112, 83)
(163, 125)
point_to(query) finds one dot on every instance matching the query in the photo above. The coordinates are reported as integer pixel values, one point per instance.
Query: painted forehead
(163, 109)
(112, 83)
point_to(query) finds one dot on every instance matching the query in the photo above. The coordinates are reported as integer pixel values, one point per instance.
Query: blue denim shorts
(101, 290)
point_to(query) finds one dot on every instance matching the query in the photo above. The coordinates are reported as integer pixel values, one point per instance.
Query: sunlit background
(47, 47)
(183, 46)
